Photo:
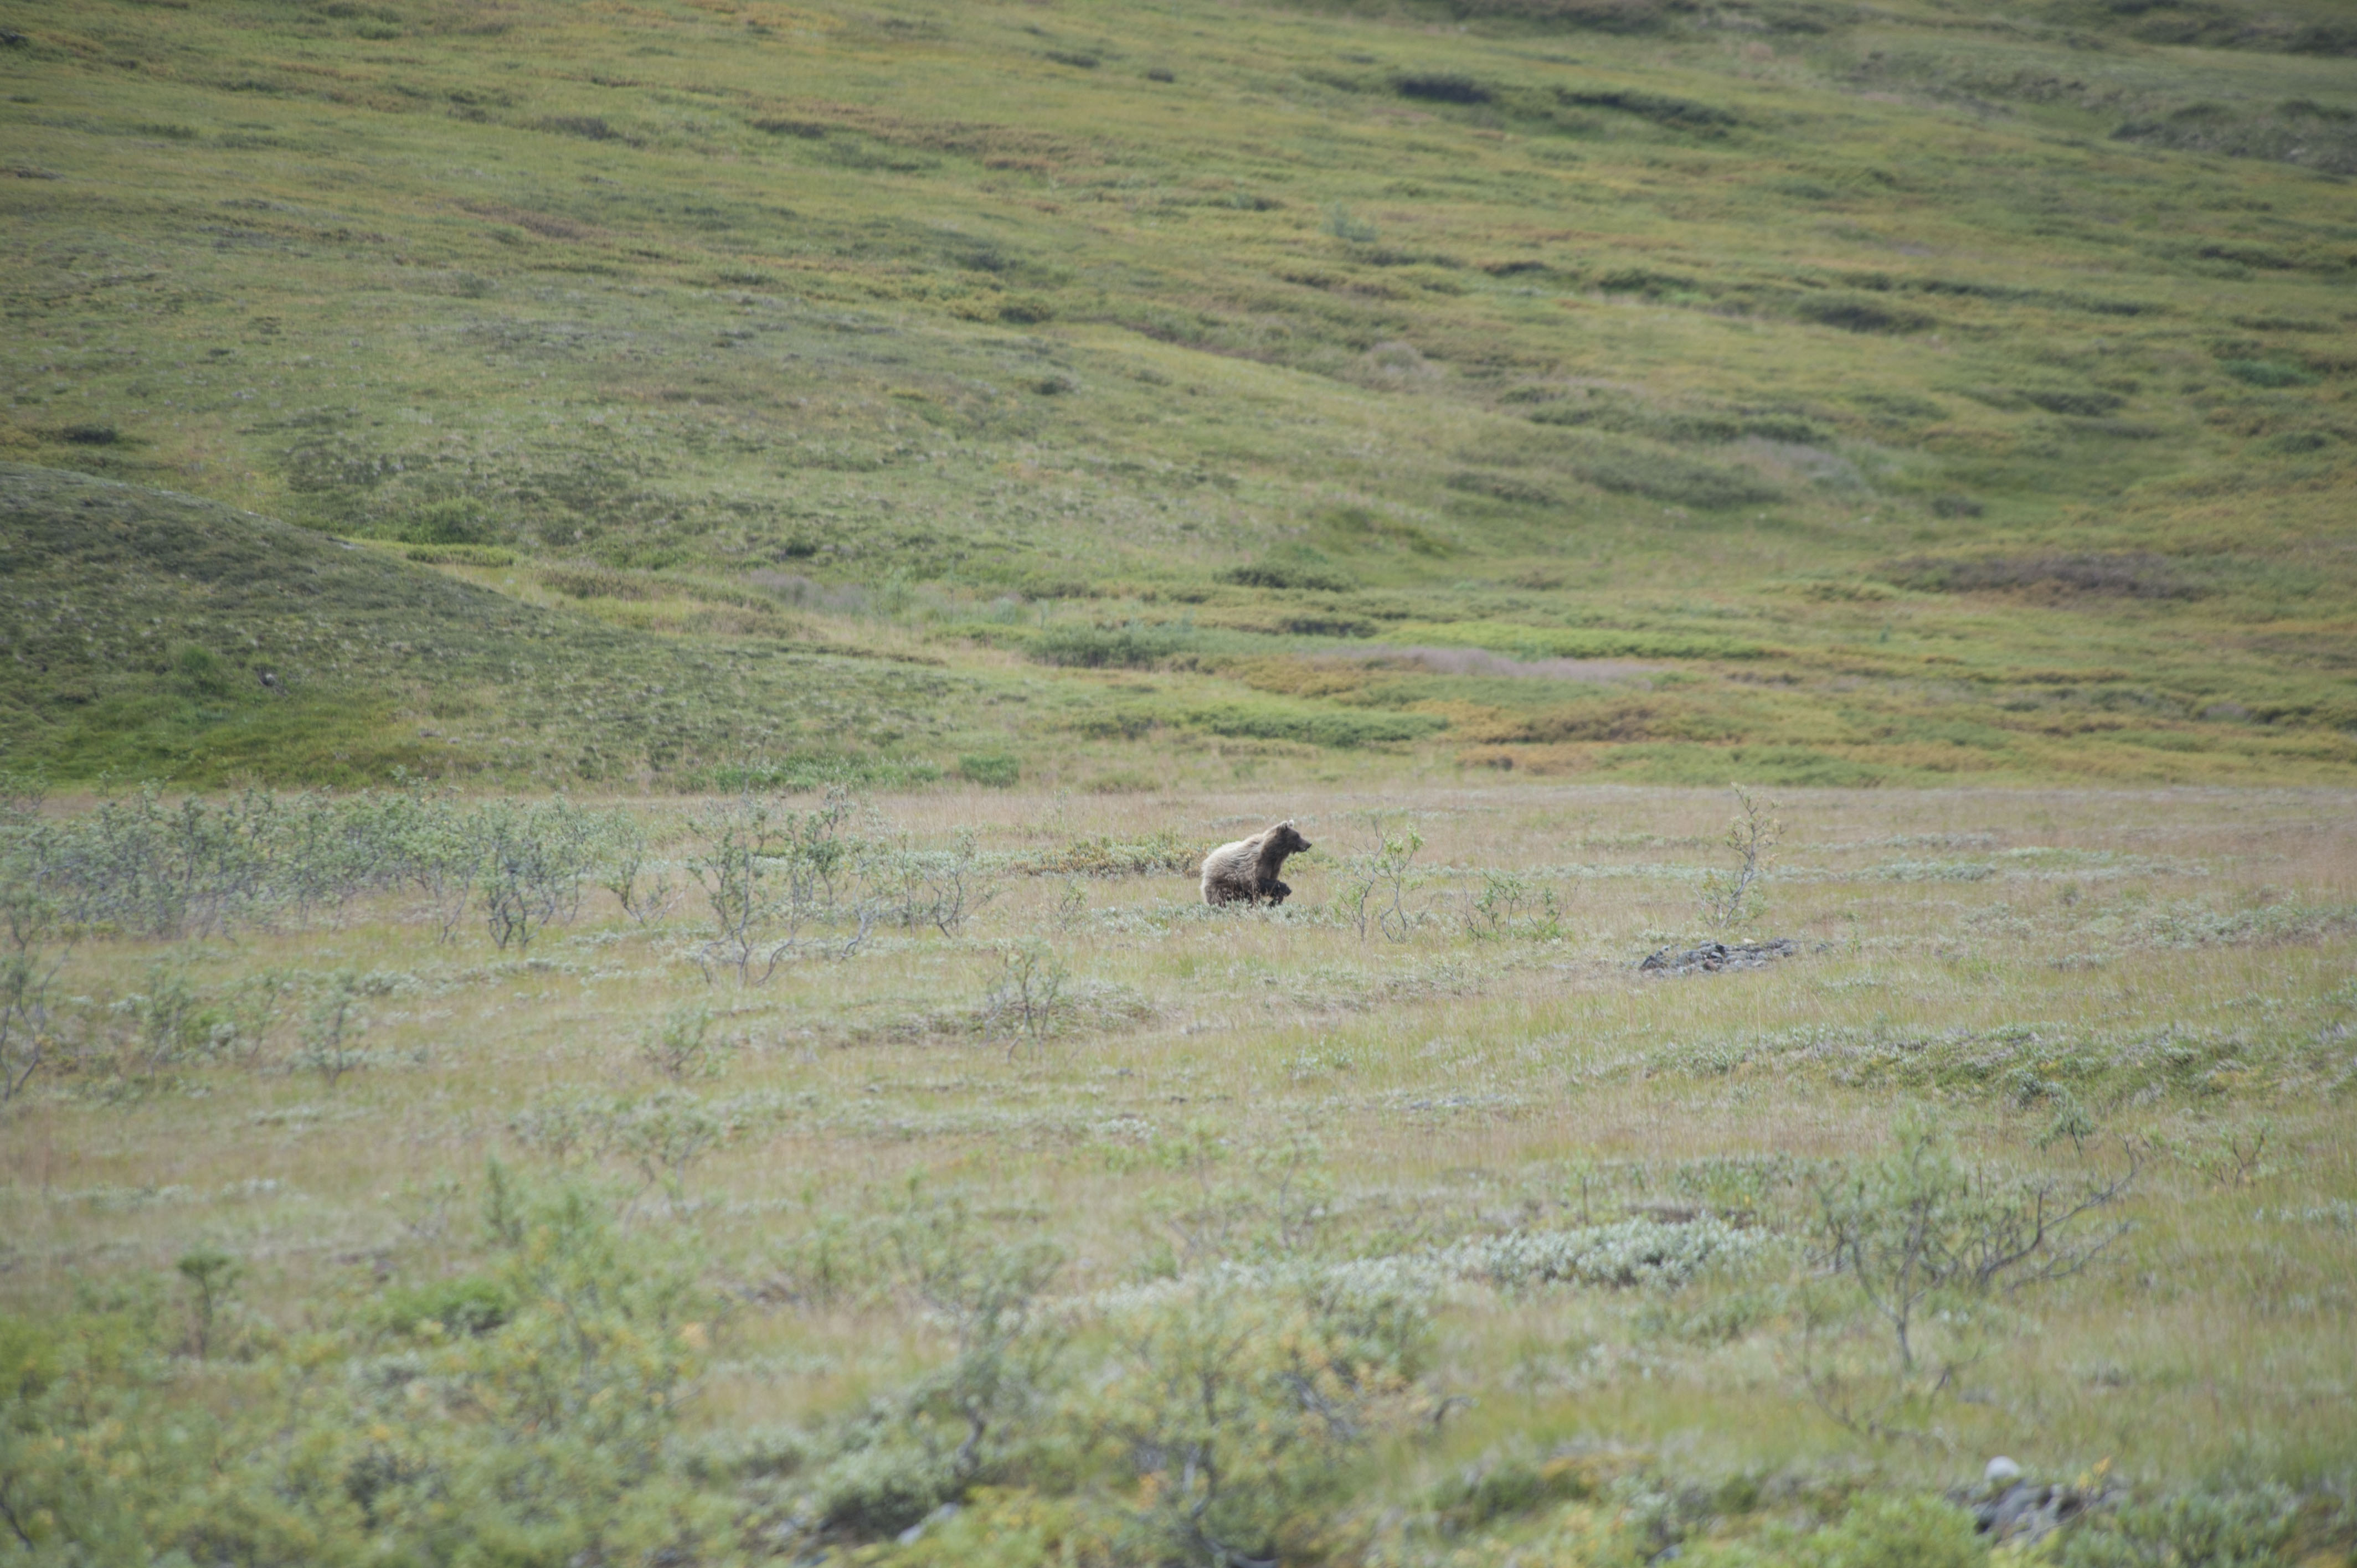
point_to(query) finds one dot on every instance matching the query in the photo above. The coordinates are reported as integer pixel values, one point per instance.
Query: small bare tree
(255, 1005)
(534, 861)
(332, 1027)
(1375, 885)
(443, 848)
(646, 894)
(28, 974)
(915, 888)
(1512, 904)
(684, 1046)
(1734, 896)
(768, 873)
(1025, 999)
(1919, 1238)
(212, 1275)
(989, 1292)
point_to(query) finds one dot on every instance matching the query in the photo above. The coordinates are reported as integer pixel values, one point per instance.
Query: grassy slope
(188, 640)
(1712, 347)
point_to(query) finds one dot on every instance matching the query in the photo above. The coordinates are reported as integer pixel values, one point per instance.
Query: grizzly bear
(1245, 872)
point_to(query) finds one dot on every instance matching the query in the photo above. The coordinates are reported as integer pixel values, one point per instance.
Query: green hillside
(160, 635)
(1850, 393)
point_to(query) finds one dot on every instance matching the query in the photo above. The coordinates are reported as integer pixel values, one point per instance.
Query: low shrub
(1239, 1413)
(1706, 425)
(1663, 473)
(2087, 401)
(1340, 727)
(881, 1489)
(1504, 488)
(1876, 1533)
(684, 1045)
(2136, 577)
(1507, 1486)
(1134, 646)
(461, 556)
(1003, 1526)
(1105, 856)
(1441, 87)
(199, 672)
(1599, 16)
(475, 1304)
(589, 127)
(804, 771)
(2220, 1528)
(530, 1425)
(1303, 568)
(596, 582)
(1626, 1255)
(1679, 114)
(2267, 373)
(456, 520)
(993, 769)
(1861, 313)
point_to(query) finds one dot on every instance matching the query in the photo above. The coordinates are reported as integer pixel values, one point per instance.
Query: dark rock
(2025, 1513)
(1712, 957)
(2020, 1498)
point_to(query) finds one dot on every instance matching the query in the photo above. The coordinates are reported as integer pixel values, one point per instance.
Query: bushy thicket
(531, 1412)
(138, 866)
(526, 1423)
(755, 882)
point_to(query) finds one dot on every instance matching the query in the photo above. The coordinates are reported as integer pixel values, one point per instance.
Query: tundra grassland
(787, 530)
(1892, 396)
(1005, 1205)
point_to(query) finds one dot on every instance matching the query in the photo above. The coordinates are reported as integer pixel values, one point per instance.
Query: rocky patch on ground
(1712, 957)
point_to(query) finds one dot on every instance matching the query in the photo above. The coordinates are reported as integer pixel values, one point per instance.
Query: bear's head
(1286, 838)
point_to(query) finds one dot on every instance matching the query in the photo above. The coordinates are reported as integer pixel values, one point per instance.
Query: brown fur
(1245, 872)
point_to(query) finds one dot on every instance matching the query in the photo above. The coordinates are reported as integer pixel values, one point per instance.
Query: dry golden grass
(1965, 952)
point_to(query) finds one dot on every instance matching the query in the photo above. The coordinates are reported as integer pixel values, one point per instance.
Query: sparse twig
(1375, 885)
(332, 1026)
(1734, 896)
(1027, 997)
(1919, 1237)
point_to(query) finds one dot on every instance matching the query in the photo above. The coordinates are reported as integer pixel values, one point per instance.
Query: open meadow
(627, 622)
(1407, 1222)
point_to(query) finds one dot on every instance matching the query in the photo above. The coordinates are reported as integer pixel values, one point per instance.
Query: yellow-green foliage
(531, 1436)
